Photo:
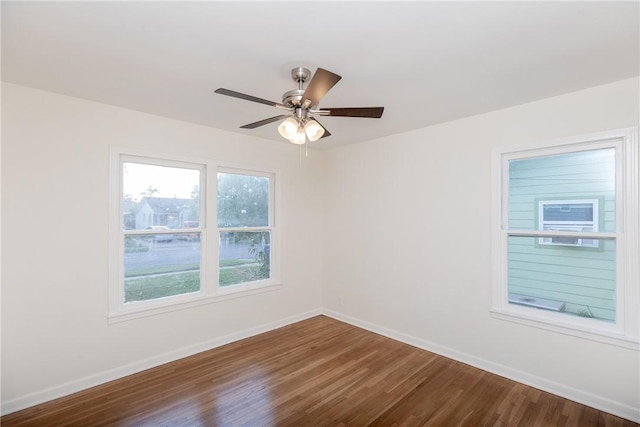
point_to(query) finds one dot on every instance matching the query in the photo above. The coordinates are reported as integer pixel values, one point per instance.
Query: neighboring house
(171, 212)
(564, 193)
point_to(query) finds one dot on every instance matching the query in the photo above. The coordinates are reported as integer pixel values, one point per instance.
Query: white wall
(408, 238)
(403, 246)
(55, 176)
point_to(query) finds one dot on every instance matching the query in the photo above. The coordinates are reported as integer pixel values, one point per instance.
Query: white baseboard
(598, 402)
(132, 368)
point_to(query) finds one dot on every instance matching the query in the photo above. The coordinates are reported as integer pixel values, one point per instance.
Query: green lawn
(171, 268)
(145, 288)
(234, 262)
(241, 274)
(158, 282)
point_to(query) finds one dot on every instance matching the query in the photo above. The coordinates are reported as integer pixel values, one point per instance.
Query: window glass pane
(244, 257)
(579, 281)
(243, 200)
(574, 179)
(157, 266)
(159, 197)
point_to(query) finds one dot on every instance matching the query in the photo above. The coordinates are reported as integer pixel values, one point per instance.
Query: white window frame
(274, 246)
(573, 226)
(210, 291)
(624, 332)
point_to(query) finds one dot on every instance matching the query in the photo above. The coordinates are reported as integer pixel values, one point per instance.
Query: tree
(129, 209)
(194, 208)
(149, 192)
(243, 200)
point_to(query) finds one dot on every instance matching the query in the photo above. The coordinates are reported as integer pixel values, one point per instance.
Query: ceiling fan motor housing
(293, 98)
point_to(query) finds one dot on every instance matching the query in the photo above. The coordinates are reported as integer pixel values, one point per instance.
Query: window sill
(574, 327)
(182, 302)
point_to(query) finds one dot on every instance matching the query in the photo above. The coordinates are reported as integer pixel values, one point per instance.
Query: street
(179, 252)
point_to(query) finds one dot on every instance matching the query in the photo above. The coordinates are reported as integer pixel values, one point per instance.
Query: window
(160, 258)
(566, 237)
(568, 215)
(163, 254)
(245, 222)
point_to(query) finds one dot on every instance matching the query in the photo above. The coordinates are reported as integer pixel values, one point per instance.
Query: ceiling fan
(299, 124)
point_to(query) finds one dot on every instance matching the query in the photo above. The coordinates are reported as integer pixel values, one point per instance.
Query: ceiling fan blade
(264, 122)
(232, 93)
(368, 112)
(326, 132)
(321, 82)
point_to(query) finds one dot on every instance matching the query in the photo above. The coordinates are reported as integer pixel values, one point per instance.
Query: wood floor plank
(318, 372)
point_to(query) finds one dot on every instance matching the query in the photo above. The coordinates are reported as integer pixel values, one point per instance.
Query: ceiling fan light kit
(299, 126)
(293, 130)
(297, 129)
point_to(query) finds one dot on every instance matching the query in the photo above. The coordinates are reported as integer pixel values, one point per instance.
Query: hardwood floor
(318, 372)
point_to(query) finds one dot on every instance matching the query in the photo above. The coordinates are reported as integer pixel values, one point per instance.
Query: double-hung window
(174, 244)
(245, 226)
(161, 214)
(566, 236)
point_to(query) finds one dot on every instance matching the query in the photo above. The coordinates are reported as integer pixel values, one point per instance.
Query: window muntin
(591, 289)
(245, 212)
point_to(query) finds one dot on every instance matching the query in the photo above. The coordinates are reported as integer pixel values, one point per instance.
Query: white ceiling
(425, 62)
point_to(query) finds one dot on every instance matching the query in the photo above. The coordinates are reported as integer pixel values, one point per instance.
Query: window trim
(624, 332)
(210, 291)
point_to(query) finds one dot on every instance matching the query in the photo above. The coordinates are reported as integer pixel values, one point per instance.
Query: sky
(169, 181)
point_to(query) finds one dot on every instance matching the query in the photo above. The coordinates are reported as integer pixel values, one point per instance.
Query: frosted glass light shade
(298, 138)
(313, 130)
(288, 128)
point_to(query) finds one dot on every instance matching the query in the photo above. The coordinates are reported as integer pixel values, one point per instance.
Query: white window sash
(625, 331)
(274, 265)
(273, 182)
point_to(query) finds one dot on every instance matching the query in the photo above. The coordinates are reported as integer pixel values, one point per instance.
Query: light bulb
(313, 130)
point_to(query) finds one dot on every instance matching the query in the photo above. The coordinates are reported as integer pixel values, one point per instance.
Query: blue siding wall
(583, 278)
